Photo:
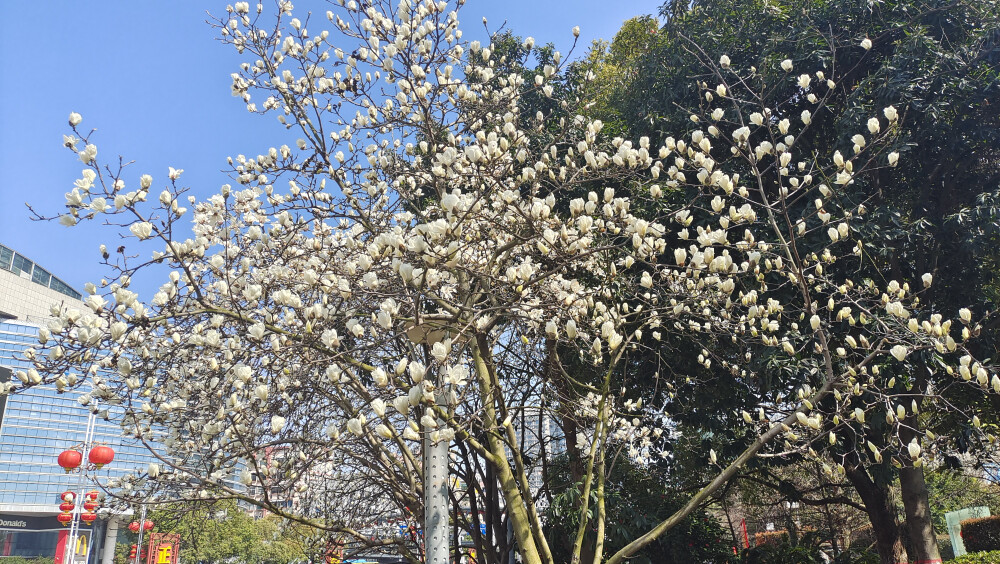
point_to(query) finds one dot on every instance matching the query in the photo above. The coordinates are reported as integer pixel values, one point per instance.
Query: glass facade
(17, 263)
(37, 424)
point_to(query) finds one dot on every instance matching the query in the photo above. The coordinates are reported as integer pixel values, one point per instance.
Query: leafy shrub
(981, 534)
(978, 558)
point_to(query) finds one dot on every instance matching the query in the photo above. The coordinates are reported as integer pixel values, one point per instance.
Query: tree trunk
(923, 541)
(882, 515)
(913, 488)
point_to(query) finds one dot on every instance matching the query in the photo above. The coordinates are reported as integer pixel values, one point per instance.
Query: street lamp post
(435, 462)
(97, 456)
(139, 527)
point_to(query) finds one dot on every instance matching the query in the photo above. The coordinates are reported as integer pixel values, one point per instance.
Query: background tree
(935, 61)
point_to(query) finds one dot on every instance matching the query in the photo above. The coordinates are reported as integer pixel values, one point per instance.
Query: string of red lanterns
(70, 460)
(99, 456)
(146, 525)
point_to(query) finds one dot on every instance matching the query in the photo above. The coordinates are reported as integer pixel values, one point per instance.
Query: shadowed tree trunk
(913, 489)
(882, 514)
(918, 515)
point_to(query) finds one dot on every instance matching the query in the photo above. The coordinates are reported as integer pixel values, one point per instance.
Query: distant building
(39, 423)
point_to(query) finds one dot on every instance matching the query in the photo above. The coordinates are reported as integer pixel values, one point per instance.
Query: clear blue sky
(153, 80)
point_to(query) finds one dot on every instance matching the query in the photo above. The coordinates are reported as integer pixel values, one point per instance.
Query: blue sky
(155, 83)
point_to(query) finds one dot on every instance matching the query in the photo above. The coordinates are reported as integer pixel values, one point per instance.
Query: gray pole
(110, 539)
(435, 501)
(435, 497)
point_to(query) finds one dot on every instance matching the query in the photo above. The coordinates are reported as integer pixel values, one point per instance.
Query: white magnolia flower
(142, 229)
(898, 352)
(866, 44)
(75, 119)
(354, 426)
(786, 65)
(277, 424)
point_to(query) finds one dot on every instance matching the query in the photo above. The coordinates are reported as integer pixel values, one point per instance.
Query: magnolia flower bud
(354, 426)
(576, 31)
(378, 406)
(866, 44)
(913, 448)
(380, 377)
(724, 62)
(75, 119)
(712, 457)
(786, 65)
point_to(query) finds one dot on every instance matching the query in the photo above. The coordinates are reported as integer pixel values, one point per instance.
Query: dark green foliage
(978, 558)
(636, 501)
(951, 490)
(981, 534)
(223, 532)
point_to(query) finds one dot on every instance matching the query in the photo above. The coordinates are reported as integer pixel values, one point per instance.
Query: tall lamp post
(139, 527)
(435, 463)
(73, 511)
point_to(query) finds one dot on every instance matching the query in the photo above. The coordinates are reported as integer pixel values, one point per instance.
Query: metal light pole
(74, 527)
(435, 462)
(142, 528)
(435, 500)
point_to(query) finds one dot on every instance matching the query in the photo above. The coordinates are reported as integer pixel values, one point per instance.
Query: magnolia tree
(430, 260)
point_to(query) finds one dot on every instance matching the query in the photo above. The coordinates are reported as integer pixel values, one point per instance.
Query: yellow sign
(81, 545)
(164, 554)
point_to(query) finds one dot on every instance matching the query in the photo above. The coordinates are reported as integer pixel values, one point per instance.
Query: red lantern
(132, 551)
(147, 525)
(101, 455)
(68, 497)
(92, 495)
(70, 459)
(64, 518)
(66, 507)
(88, 518)
(91, 505)
(134, 526)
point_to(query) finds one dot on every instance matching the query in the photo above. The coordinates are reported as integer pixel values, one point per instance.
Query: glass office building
(38, 423)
